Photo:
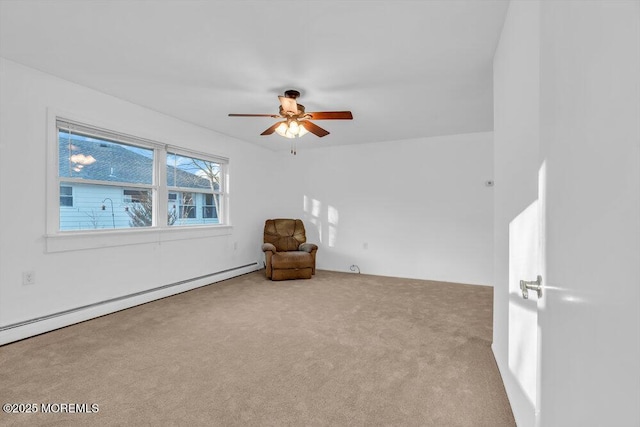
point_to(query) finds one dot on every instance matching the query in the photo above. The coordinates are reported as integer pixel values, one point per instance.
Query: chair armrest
(268, 247)
(308, 247)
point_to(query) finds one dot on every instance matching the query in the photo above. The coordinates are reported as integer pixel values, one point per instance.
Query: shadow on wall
(324, 219)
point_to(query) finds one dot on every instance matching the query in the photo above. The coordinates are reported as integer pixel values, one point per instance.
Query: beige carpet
(339, 349)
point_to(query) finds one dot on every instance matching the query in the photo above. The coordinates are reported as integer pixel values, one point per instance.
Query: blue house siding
(87, 213)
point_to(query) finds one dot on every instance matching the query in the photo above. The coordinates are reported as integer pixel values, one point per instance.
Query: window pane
(103, 160)
(187, 212)
(210, 207)
(191, 172)
(209, 212)
(135, 196)
(200, 206)
(187, 206)
(96, 207)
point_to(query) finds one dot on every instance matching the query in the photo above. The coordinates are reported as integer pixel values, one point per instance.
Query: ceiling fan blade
(271, 129)
(331, 115)
(254, 115)
(288, 104)
(314, 128)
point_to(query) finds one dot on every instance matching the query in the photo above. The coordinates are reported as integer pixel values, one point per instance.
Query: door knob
(535, 285)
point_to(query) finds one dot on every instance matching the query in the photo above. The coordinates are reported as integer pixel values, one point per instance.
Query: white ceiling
(406, 69)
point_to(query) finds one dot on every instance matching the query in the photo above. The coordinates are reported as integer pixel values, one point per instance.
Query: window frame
(64, 240)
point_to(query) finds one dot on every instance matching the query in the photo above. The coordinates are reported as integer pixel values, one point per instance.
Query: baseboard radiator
(243, 269)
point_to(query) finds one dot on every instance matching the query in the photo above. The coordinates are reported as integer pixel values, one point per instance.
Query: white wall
(70, 279)
(421, 206)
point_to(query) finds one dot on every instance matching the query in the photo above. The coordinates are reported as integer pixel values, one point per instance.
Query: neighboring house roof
(106, 161)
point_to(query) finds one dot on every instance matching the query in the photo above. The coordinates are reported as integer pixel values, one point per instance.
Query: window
(209, 208)
(187, 206)
(197, 184)
(135, 196)
(66, 196)
(108, 180)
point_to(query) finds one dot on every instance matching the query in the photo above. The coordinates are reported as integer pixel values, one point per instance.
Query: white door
(567, 162)
(524, 265)
(517, 208)
(589, 315)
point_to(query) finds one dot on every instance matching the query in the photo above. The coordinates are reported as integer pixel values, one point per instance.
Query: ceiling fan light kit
(297, 122)
(291, 129)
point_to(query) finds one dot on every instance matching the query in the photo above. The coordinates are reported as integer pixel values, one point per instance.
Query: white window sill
(80, 240)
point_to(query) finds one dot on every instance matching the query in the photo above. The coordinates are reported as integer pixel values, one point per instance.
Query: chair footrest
(291, 259)
(291, 273)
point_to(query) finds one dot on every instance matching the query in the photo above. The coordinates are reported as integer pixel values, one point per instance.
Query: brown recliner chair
(287, 253)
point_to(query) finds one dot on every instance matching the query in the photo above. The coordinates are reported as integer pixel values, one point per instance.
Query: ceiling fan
(297, 122)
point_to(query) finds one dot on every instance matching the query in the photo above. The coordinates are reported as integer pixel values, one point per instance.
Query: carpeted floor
(339, 349)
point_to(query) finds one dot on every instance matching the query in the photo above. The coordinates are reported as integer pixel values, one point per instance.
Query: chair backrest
(284, 234)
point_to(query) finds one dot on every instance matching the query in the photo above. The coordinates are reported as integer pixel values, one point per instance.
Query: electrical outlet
(28, 277)
(365, 245)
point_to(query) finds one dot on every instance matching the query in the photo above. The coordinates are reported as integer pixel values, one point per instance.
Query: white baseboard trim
(50, 322)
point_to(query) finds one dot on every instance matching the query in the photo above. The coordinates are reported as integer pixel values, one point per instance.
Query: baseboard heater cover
(123, 297)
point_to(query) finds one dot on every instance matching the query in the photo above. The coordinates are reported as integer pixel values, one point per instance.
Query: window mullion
(161, 204)
(223, 208)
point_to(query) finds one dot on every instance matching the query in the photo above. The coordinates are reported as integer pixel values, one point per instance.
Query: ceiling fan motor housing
(291, 93)
(299, 113)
